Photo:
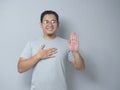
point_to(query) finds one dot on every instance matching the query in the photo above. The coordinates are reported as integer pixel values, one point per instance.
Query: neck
(49, 37)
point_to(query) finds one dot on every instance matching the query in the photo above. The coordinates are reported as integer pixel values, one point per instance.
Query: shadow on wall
(90, 68)
(76, 80)
(26, 79)
(63, 30)
(83, 80)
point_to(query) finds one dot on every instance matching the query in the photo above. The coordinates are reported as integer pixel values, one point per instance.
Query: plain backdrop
(96, 22)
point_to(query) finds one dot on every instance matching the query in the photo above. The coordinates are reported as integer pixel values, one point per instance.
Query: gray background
(97, 23)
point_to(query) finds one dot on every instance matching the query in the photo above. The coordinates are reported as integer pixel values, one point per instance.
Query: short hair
(49, 12)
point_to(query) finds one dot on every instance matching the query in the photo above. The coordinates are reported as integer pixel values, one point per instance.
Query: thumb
(42, 46)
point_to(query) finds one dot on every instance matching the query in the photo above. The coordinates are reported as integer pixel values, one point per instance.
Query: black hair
(49, 12)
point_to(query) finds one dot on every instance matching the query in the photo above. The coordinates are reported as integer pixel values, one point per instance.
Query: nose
(50, 24)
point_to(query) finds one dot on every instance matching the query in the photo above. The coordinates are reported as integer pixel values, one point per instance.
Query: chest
(61, 49)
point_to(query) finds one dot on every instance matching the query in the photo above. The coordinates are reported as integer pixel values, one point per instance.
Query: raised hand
(73, 43)
(45, 53)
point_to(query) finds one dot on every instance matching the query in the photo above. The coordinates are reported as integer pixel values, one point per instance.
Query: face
(49, 25)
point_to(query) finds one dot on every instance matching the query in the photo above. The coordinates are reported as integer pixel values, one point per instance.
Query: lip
(50, 29)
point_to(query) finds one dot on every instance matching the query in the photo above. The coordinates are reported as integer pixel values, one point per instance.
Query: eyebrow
(51, 20)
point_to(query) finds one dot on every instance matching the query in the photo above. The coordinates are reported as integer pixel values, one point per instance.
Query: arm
(26, 64)
(73, 45)
(78, 61)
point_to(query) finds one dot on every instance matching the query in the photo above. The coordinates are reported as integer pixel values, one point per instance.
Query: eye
(45, 22)
(53, 21)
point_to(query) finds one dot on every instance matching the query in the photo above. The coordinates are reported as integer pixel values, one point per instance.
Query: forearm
(78, 61)
(26, 64)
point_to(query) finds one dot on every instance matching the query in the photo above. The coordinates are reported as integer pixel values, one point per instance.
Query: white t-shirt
(49, 74)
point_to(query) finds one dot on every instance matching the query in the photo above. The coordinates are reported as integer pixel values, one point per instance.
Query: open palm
(73, 42)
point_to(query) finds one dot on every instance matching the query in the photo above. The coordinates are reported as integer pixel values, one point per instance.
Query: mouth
(49, 29)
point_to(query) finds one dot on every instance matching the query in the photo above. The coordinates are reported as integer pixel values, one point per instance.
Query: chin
(50, 34)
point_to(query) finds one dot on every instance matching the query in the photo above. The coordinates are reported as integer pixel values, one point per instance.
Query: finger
(53, 52)
(71, 36)
(69, 42)
(42, 46)
(51, 56)
(77, 39)
(52, 49)
(75, 36)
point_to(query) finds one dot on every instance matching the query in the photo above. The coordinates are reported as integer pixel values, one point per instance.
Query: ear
(40, 25)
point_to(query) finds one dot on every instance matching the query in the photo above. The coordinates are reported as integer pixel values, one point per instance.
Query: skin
(49, 30)
(73, 45)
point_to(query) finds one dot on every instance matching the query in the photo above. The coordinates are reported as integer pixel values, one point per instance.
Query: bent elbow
(20, 70)
(19, 67)
(80, 67)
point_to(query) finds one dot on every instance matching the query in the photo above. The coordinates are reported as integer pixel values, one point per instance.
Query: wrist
(75, 53)
(38, 57)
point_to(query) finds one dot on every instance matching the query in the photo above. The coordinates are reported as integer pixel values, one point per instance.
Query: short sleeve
(70, 56)
(27, 51)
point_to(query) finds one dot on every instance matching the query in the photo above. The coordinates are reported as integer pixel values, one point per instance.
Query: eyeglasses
(46, 22)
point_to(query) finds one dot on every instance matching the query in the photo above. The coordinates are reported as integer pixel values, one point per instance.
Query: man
(48, 56)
